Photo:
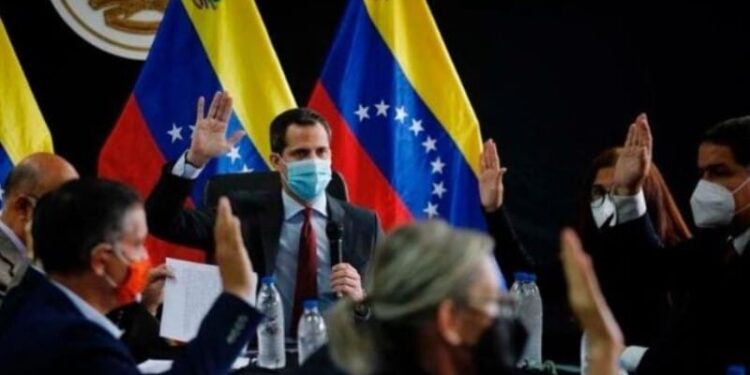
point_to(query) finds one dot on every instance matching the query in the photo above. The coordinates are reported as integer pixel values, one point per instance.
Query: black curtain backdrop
(552, 84)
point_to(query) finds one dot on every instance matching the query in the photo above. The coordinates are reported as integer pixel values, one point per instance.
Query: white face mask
(713, 204)
(602, 210)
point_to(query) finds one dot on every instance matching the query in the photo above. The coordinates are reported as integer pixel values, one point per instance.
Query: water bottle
(311, 331)
(271, 354)
(736, 370)
(529, 312)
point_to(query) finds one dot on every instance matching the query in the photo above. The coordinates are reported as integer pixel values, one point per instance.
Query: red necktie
(306, 286)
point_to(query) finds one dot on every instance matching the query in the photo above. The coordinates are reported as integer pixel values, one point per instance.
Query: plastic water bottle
(311, 331)
(271, 354)
(529, 312)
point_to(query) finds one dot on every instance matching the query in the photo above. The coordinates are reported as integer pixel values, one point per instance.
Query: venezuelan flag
(406, 138)
(200, 47)
(22, 127)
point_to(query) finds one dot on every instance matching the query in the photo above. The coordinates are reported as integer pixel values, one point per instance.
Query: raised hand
(209, 138)
(491, 187)
(231, 255)
(634, 162)
(605, 341)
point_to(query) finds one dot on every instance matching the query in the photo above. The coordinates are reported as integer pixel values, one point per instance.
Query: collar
(88, 311)
(292, 207)
(13, 238)
(741, 241)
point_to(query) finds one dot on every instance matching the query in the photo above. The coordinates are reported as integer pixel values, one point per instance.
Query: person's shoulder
(354, 212)
(47, 325)
(247, 200)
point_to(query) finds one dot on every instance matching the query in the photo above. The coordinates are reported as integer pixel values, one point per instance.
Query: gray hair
(416, 268)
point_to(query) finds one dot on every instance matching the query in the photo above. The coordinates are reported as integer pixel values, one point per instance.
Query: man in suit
(89, 235)
(712, 269)
(285, 231)
(33, 177)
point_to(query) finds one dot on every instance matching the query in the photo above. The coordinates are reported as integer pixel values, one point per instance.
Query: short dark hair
(70, 221)
(733, 133)
(297, 116)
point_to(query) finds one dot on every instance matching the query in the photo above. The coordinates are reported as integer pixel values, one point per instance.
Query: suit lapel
(270, 224)
(11, 255)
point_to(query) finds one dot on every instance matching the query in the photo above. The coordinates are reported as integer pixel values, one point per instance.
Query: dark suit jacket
(141, 333)
(712, 329)
(47, 334)
(261, 216)
(17, 296)
(632, 278)
(510, 253)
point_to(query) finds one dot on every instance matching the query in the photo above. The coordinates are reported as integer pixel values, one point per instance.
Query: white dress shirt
(285, 268)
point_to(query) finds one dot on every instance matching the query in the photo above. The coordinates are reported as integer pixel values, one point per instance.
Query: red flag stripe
(367, 185)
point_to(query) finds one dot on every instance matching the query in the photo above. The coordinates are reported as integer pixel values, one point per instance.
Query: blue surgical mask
(308, 178)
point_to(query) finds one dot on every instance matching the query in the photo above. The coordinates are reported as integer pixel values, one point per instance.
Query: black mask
(499, 348)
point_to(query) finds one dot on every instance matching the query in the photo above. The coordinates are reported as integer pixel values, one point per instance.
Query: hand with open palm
(634, 162)
(491, 188)
(605, 339)
(209, 138)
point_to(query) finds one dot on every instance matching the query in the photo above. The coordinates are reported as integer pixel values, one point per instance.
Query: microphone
(335, 231)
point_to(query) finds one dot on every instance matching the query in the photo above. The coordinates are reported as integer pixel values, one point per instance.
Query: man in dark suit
(31, 178)
(285, 231)
(89, 236)
(712, 269)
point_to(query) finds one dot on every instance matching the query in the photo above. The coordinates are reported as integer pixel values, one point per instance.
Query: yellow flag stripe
(411, 34)
(237, 44)
(22, 128)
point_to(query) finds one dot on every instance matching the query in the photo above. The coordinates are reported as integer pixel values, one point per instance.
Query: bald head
(34, 176)
(39, 174)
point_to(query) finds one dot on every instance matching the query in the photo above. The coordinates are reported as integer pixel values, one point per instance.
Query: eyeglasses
(598, 195)
(501, 305)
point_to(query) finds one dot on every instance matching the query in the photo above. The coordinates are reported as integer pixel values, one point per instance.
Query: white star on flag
(401, 114)
(2, 194)
(175, 133)
(429, 144)
(382, 108)
(361, 112)
(437, 165)
(245, 169)
(431, 210)
(192, 130)
(234, 154)
(439, 189)
(416, 126)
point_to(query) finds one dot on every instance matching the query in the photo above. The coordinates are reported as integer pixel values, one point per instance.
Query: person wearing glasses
(642, 307)
(438, 308)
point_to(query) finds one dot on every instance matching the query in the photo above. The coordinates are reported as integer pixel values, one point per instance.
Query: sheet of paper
(156, 366)
(187, 298)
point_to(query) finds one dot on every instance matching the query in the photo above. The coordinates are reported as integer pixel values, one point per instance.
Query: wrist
(196, 161)
(242, 293)
(491, 209)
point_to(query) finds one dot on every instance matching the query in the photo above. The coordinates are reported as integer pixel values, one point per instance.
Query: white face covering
(602, 210)
(713, 204)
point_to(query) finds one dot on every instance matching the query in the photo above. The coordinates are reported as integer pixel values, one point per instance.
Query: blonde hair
(416, 268)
